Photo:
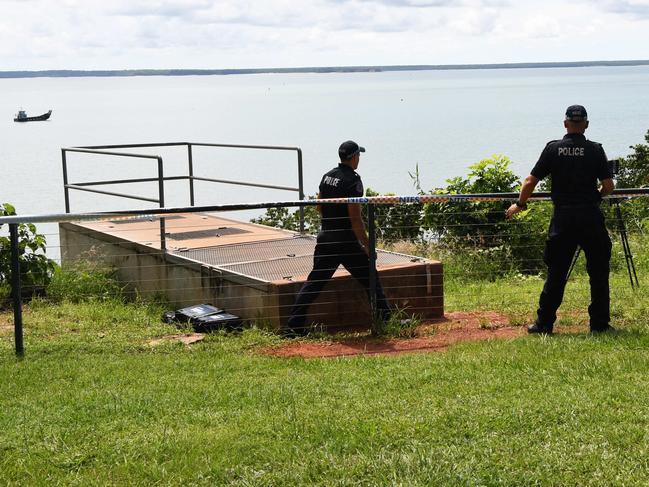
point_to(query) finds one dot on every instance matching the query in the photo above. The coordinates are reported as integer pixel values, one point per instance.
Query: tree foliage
(634, 168)
(634, 173)
(471, 223)
(35, 268)
(395, 222)
(289, 219)
(480, 227)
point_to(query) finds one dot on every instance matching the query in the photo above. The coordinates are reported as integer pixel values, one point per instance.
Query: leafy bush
(479, 229)
(395, 222)
(289, 219)
(36, 269)
(634, 168)
(472, 223)
(634, 173)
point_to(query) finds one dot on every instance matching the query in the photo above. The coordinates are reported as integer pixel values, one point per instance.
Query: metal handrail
(623, 193)
(161, 179)
(161, 191)
(84, 150)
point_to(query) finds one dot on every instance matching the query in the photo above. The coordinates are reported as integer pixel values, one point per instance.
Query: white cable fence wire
(476, 246)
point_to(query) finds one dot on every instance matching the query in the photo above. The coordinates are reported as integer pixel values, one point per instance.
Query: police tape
(436, 198)
(618, 194)
(423, 199)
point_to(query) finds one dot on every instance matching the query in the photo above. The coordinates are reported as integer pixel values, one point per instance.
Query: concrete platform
(252, 271)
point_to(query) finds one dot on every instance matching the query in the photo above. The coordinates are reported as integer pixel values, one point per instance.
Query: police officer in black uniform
(575, 164)
(342, 239)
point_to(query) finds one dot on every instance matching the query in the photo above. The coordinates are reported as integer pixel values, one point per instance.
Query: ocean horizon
(312, 69)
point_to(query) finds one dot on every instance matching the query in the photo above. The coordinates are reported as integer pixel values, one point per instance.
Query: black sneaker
(601, 329)
(536, 328)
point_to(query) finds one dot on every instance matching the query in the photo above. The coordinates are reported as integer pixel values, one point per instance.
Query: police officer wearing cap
(575, 165)
(342, 239)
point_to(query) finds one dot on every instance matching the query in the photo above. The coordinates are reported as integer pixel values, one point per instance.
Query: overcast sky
(128, 34)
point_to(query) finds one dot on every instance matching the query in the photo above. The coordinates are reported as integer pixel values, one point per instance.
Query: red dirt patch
(432, 336)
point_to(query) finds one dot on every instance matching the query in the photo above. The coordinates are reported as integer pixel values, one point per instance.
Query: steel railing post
(190, 161)
(16, 289)
(66, 190)
(371, 231)
(161, 201)
(300, 178)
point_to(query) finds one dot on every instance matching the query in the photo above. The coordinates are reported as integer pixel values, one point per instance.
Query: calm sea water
(442, 121)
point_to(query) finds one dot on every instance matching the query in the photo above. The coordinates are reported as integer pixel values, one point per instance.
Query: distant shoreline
(70, 73)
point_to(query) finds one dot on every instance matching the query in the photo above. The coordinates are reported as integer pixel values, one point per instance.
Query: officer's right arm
(526, 191)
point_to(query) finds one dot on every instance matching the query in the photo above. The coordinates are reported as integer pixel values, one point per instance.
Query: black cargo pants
(331, 250)
(571, 227)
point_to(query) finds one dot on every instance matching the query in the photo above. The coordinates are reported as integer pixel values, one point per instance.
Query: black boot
(536, 328)
(601, 328)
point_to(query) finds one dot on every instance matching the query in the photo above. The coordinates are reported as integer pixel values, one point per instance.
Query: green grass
(93, 404)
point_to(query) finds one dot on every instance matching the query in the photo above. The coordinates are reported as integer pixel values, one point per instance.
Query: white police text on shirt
(330, 181)
(571, 151)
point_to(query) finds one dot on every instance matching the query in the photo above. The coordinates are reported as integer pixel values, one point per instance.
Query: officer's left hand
(512, 210)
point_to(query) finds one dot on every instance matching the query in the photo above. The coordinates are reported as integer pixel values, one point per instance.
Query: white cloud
(93, 34)
(475, 21)
(541, 26)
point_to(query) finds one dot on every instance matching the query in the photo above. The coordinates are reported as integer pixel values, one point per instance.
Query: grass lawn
(93, 404)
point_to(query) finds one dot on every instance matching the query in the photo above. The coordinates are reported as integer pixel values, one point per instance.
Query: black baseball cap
(349, 149)
(576, 113)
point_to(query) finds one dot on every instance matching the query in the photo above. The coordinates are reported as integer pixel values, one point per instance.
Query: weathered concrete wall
(415, 288)
(150, 272)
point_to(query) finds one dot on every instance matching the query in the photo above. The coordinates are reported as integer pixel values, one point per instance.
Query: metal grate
(212, 232)
(274, 260)
(146, 219)
(252, 251)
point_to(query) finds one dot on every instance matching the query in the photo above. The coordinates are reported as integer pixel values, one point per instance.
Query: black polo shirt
(575, 164)
(340, 182)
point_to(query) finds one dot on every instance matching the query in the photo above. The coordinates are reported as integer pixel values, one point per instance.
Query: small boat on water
(22, 117)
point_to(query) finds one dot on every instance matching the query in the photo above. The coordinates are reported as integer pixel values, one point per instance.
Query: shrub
(283, 217)
(36, 269)
(479, 229)
(634, 168)
(395, 222)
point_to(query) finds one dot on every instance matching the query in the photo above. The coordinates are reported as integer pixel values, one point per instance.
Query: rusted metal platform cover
(252, 270)
(257, 251)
